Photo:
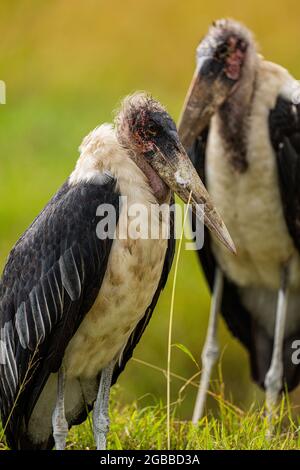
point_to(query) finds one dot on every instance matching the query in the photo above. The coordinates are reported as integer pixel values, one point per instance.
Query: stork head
(145, 128)
(224, 59)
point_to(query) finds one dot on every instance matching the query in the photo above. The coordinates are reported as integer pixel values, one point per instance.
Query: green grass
(142, 424)
(138, 427)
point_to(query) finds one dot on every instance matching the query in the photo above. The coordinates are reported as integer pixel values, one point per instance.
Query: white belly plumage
(132, 276)
(250, 204)
(251, 207)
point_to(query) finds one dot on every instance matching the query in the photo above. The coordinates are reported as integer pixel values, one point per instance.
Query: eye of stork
(148, 129)
(152, 129)
(222, 51)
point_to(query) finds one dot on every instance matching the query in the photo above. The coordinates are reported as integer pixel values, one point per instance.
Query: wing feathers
(70, 275)
(21, 325)
(57, 289)
(45, 296)
(9, 366)
(284, 125)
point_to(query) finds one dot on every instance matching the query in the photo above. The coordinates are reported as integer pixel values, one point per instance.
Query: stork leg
(59, 422)
(211, 348)
(274, 377)
(100, 414)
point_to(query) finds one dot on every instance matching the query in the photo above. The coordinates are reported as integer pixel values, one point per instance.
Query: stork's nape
(81, 302)
(241, 126)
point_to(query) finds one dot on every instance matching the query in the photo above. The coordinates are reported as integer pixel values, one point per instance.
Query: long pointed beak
(180, 175)
(203, 98)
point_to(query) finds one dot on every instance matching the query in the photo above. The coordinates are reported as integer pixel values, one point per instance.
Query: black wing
(284, 122)
(50, 281)
(141, 326)
(284, 125)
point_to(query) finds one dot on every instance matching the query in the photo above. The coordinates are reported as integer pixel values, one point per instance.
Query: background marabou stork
(73, 303)
(241, 125)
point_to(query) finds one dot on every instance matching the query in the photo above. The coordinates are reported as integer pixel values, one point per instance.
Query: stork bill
(75, 302)
(241, 127)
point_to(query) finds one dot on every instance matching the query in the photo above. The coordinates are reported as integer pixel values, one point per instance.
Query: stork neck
(233, 118)
(159, 188)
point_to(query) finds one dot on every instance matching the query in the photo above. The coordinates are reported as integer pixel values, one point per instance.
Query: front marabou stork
(74, 303)
(241, 127)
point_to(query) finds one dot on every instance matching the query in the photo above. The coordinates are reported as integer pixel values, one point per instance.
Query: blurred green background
(66, 65)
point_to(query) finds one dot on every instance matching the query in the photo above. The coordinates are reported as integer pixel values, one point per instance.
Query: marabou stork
(241, 127)
(74, 303)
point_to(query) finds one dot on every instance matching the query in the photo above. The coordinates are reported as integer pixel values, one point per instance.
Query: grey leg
(273, 380)
(211, 348)
(59, 422)
(100, 414)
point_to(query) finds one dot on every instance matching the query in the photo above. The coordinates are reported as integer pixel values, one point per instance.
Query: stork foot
(60, 430)
(210, 351)
(59, 422)
(100, 414)
(274, 377)
(209, 357)
(273, 386)
(100, 431)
